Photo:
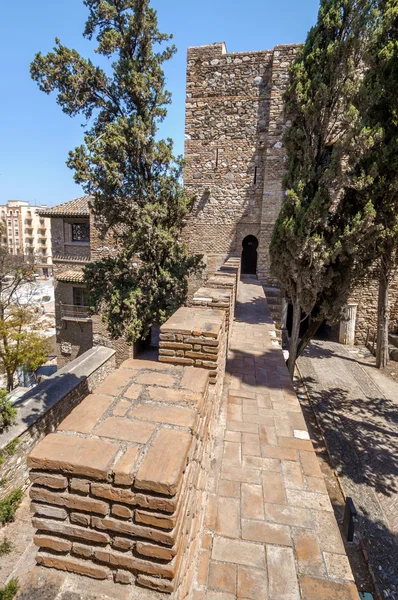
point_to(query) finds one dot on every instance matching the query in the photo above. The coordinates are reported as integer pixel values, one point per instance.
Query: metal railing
(77, 313)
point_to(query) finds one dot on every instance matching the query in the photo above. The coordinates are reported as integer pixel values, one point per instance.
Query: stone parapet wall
(196, 337)
(224, 281)
(118, 491)
(218, 298)
(41, 410)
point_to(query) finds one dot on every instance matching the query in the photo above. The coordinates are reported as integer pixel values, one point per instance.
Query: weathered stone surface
(52, 543)
(83, 418)
(72, 531)
(56, 482)
(163, 466)
(82, 567)
(182, 417)
(124, 470)
(74, 455)
(118, 428)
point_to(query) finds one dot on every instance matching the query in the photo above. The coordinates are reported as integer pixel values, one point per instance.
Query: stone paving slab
(269, 530)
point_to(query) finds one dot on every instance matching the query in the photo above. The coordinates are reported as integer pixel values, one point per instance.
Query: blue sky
(35, 135)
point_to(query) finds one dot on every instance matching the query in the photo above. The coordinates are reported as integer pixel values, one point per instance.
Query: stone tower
(233, 152)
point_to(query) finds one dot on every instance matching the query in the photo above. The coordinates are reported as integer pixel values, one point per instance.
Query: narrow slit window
(216, 158)
(255, 175)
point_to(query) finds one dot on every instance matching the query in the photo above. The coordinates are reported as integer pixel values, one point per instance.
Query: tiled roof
(78, 207)
(71, 277)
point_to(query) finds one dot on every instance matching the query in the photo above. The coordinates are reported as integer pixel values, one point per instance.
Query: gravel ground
(358, 419)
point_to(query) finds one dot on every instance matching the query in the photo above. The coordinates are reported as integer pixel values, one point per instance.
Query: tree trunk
(307, 337)
(10, 381)
(382, 355)
(294, 338)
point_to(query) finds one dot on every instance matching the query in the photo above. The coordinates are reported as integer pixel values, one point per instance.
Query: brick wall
(41, 410)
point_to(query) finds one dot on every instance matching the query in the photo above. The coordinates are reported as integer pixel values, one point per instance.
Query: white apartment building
(24, 231)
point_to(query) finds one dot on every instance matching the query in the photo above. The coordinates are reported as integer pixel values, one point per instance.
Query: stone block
(74, 455)
(162, 468)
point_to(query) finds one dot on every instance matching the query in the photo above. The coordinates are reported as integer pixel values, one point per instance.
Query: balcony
(70, 312)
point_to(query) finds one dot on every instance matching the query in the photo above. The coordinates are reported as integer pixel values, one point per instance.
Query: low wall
(218, 298)
(41, 410)
(195, 337)
(118, 491)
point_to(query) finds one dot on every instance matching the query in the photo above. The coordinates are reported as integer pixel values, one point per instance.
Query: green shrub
(11, 448)
(8, 591)
(5, 547)
(8, 414)
(9, 505)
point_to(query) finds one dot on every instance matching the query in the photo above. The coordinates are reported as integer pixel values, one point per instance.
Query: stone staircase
(274, 301)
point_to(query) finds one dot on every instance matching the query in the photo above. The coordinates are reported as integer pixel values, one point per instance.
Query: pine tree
(380, 104)
(316, 245)
(133, 177)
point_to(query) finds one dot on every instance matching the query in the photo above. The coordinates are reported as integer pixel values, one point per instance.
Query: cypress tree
(317, 240)
(133, 178)
(380, 103)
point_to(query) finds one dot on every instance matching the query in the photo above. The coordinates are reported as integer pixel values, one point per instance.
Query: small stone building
(75, 243)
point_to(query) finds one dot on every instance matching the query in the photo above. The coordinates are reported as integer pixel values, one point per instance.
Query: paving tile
(232, 454)
(311, 500)
(282, 577)
(268, 533)
(289, 515)
(245, 427)
(229, 489)
(252, 501)
(310, 464)
(222, 576)
(263, 464)
(328, 532)
(228, 517)
(308, 554)
(277, 452)
(338, 566)
(238, 552)
(233, 436)
(316, 589)
(293, 475)
(252, 584)
(242, 475)
(274, 489)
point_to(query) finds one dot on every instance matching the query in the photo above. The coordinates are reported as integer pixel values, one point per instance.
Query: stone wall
(366, 295)
(118, 491)
(233, 151)
(196, 337)
(41, 410)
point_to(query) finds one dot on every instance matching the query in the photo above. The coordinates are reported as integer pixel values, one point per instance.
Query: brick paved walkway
(270, 531)
(357, 409)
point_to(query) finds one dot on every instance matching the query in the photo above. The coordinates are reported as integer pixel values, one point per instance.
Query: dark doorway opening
(249, 255)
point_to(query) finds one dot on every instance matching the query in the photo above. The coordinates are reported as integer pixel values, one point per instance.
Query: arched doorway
(249, 255)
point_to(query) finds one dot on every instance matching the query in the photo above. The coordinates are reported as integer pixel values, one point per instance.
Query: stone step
(272, 292)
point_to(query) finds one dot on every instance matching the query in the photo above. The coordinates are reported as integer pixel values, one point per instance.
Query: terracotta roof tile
(78, 207)
(71, 277)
